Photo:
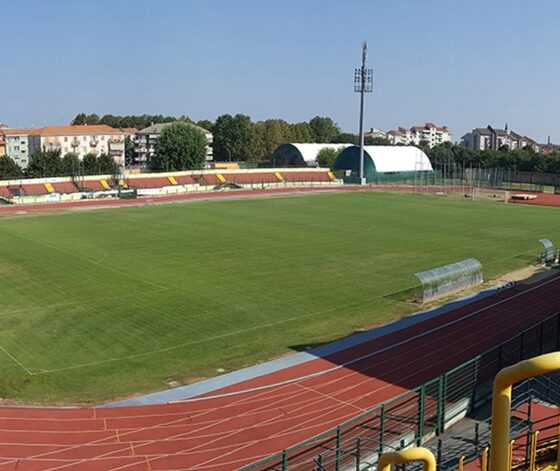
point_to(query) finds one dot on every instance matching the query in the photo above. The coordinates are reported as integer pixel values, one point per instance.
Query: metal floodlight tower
(363, 83)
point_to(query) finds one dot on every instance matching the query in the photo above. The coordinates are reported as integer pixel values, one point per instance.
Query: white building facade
(490, 138)
(427, 133)
(80, 140)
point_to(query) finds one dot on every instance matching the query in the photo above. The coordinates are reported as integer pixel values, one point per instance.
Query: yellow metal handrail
(407, 456)
(501, 403)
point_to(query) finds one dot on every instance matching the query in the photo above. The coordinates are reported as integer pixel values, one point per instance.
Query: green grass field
(101, 304)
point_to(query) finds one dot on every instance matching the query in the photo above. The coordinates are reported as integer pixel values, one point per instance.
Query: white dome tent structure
(384, 162)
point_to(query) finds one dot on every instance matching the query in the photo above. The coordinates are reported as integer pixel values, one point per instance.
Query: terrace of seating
(6, 191)
(320, 176)
(185, 180)
(35, 189)
(65, 187)
(207, 179)
(250, 178)
(148, 183)
(96, 185)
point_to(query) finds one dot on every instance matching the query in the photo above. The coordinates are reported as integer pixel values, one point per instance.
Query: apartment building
(16, 144)
(490, 138)
(81, 140)
(428, 133)
(146, 138)
(375, 132)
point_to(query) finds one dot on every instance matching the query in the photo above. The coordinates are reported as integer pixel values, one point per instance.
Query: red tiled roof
(18, 131)
(77, 130)
(129, 130)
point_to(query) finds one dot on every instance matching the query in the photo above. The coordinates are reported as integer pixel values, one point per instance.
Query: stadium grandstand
(41, 190)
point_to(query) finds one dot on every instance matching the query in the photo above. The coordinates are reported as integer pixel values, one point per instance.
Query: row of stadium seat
(239, 178)
(211, 179)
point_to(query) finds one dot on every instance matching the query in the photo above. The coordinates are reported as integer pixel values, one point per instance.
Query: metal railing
(415, 415)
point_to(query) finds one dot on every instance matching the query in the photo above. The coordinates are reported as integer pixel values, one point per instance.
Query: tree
(235, 139)
(377, 141)
(107, 165)
(180, 146)
(131, 121)
(110, 120)
(302, 132)
(129, 151)
(346, 138)
(324, 129)
(205, 124)
(82, 118)
(79, 119)
(327, 157)
(9, 168)
(70, 164)
(44, 164)
(89, 164)
(272, 133)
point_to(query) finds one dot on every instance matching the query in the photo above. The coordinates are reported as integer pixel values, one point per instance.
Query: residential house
(490, 138)
(427, 133)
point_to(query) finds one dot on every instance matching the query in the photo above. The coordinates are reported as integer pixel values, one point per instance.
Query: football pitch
(96, 305)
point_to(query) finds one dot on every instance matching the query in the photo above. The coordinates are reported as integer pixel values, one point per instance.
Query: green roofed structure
(384, 162)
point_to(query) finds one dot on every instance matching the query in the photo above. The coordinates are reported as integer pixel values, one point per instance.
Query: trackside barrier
(475, 438)
(416, 415)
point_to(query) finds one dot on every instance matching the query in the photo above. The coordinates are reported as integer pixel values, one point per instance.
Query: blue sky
(460, 63)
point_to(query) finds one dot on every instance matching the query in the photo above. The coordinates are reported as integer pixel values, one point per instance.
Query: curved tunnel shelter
(399, 161)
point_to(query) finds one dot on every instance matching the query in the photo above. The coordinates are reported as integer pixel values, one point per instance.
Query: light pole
(363, 83)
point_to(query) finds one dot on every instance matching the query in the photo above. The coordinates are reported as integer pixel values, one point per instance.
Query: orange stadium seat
(321, 176)
(65, 187)
(249, 178)
(148, 183)
(93, 185)
(185, 180)
(35, 189)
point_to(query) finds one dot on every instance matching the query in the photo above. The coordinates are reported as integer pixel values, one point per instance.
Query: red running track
(203, 195)
(251, 420)
(542, 199)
